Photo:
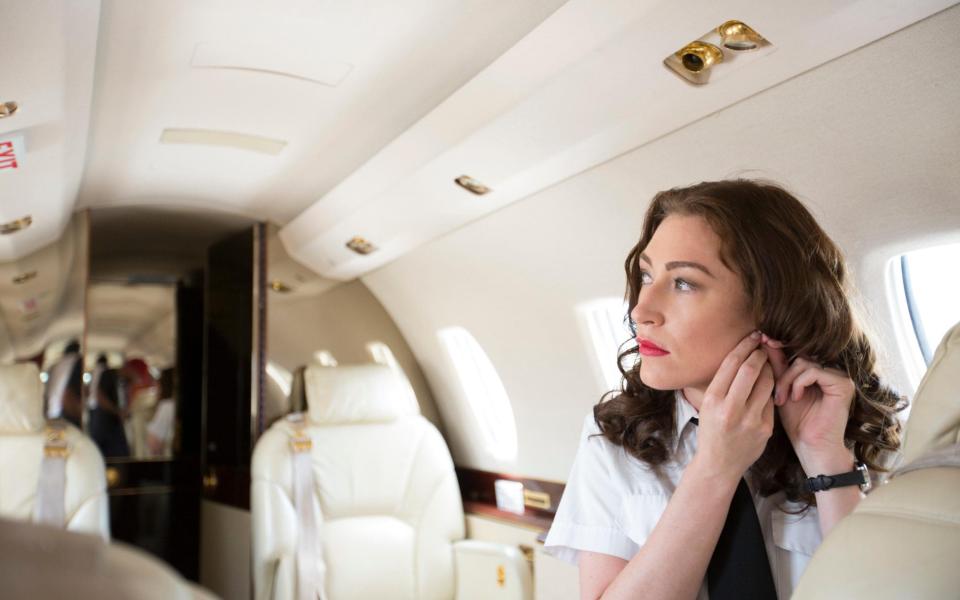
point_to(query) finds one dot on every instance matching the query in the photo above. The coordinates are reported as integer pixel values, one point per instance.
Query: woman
(748, 364)
(142, 395)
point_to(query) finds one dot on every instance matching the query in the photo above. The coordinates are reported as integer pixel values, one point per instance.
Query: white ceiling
(373, 107)
(403, 59)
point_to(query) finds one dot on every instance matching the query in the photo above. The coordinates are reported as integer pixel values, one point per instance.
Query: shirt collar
(684, 411)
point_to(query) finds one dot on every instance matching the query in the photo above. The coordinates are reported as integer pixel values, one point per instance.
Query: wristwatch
(859, 476)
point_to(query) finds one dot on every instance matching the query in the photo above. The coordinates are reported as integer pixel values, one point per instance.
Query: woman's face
(691, 309)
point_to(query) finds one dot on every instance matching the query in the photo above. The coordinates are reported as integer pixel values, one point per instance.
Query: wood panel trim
(479, 497)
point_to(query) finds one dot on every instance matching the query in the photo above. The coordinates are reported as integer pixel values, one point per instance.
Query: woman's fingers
(721, 381)
(745, 382)
(785, 380)
(762, 392)
(833, 383)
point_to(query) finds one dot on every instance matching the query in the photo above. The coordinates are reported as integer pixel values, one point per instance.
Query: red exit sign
(11, 151)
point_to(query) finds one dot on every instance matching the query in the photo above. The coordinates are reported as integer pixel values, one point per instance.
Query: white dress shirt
(613, 501)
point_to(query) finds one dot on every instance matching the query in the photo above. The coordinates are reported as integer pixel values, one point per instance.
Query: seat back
(22, 440)
(903, 540)
(386, 494)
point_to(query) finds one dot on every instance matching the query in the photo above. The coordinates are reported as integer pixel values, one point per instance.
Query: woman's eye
(645, 278)
(683, 285)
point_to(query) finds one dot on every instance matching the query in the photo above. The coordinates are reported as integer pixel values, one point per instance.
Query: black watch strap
(858, 476)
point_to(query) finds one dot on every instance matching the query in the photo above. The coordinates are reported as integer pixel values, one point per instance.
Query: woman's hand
(736, 415)
(814, 404)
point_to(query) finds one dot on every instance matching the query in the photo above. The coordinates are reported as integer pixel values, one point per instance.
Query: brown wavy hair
(796, 280)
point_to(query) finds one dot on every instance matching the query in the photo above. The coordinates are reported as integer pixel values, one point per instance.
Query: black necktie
(739, 567)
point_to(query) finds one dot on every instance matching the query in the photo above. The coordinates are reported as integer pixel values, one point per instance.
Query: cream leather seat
(38, 561)
(23, 437)
(385, 496)
(903, 540)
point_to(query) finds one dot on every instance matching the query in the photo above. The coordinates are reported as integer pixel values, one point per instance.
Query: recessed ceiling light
(225, 139)
(24, 277)
(471, 185)
(360, 245)
(15, 226)
(8, 109)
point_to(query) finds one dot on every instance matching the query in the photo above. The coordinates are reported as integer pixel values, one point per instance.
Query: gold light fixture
(718, 52)
(8, 109)
(472, 185)
(699, 56)
(738, 36)
(15, 226)
(24, 277)
(360, 245)
(279, 286)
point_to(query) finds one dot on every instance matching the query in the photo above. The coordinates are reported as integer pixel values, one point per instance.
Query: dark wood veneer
(479, 497)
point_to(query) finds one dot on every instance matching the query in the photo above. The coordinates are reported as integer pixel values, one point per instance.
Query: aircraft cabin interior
(317, 299)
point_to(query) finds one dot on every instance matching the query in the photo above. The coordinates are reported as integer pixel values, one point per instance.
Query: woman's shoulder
(598, 452)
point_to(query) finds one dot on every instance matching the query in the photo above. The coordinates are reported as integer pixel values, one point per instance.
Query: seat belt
(51, 487)
(310, 566)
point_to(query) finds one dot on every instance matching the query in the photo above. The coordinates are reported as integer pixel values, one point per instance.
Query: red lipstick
(648, 348)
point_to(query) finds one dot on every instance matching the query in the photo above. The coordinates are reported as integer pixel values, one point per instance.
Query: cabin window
(932, 294)
(280, 376)
(324, 358)
(603, 324)
(484, 392)
(381, 354)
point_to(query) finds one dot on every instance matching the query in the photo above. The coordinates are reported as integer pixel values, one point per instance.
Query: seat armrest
(491, 571)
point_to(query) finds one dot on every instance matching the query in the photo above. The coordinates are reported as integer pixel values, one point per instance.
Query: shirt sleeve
(588, 516)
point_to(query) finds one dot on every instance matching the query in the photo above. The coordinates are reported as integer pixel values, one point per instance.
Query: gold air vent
(8, 109)
(279, 286)
(472, 185)
(361, 246)
(721, 50)
(15, 226)
(24, 277)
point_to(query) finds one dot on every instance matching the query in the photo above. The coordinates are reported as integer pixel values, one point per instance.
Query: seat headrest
(368, 393)
(21, 399)
(935, 417)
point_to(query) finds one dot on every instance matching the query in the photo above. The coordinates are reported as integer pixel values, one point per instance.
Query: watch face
(865, 483)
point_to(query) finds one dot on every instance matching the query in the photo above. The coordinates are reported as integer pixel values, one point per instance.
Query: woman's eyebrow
(679, 264)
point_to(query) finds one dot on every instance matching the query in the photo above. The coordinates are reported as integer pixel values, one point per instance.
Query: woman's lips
(648, 348)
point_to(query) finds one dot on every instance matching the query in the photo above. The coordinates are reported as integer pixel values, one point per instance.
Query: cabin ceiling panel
(154, 72)
(871, 152)
(48, 62)
(612, 95)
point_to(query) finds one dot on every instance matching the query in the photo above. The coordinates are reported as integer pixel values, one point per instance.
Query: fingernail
(755, 335)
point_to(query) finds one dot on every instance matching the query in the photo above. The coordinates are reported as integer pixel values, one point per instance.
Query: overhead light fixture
(472, 185)
(719, 51)
(24, 277)
(8, 109)
(15, 226)
(360, 245)
(279, 286)
(738, 36)
(699, 56)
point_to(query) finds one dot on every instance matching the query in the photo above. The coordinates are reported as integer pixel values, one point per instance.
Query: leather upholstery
(935, 416)
(21, 452)
(386, 490)
(903, 540)
(38, 561)
(369, 393)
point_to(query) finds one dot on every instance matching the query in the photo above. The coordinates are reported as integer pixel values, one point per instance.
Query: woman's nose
(647, 311)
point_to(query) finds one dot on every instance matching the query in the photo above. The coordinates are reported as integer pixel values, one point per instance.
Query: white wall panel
(877, 127)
